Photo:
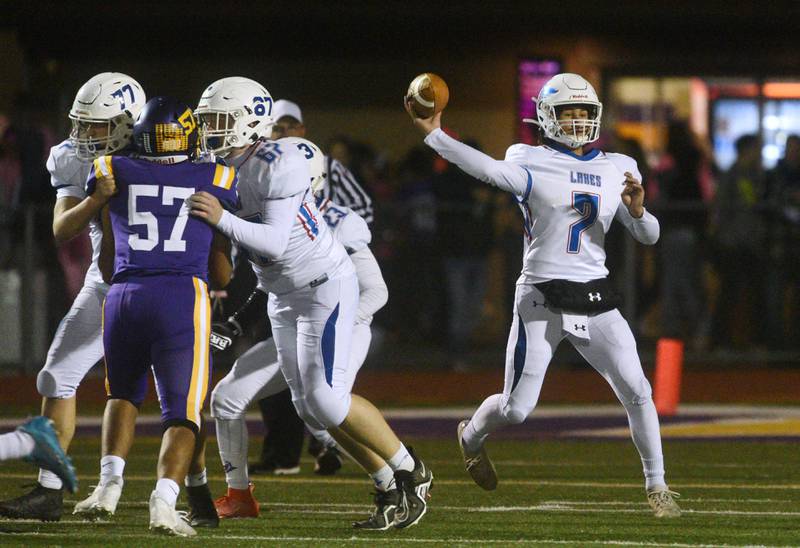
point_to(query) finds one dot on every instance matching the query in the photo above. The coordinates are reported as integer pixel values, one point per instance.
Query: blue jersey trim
(591, 155)
(329, 345)
(519, 353)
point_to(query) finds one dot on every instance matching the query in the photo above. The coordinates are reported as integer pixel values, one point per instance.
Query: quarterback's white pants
(535, 333)
(77, 345)
(312, 328)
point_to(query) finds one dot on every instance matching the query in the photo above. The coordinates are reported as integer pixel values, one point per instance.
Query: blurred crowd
(721, 278)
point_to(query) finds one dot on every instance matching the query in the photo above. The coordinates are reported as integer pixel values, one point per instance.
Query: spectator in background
(10, 176)
(415, 298)
(783, 196)
(740, 236)
(464, 213)
(683, 185)
(342, 188)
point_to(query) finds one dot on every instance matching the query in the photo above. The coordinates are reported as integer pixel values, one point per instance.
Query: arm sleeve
(645, 229)
(373, 292)
(508, 176)
(270, 237)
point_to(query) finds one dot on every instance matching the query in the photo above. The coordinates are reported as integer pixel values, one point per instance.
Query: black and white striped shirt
(342, 188)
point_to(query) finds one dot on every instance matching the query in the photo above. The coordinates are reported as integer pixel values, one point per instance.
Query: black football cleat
(414, 487)
(41, 503)
(202, 512)
(382, 517)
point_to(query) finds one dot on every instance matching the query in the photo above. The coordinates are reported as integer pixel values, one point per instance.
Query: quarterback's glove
(223, 334)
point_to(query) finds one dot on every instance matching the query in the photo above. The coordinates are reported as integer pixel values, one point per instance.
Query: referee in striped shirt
(283, 443)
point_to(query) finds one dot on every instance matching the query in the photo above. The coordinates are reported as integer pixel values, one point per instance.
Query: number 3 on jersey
(588, 205)
(150, 222)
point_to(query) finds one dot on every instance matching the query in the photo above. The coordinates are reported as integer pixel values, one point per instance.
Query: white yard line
(370, 539)
(364, 482)
(545, 506)
(540, 412)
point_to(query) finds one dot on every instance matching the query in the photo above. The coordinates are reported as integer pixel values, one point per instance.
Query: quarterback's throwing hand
(205, 206)
(425, 125)
(633, 195)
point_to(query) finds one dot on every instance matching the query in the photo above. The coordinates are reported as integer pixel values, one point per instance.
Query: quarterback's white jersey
(68, 177)
(266, 172)
(567, 202)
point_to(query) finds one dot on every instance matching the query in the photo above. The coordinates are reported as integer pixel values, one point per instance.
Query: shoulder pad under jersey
(65, 168)
(624, 163)
(353, 232)
(280, 171)
(521, 153)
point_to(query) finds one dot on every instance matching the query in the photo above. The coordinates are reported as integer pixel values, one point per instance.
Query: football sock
(196, 480)
(402, 460)
(111, 466)
(486, 419)
(232, 439)
(16, 445)
(383, 478)
(168, 490)
(49, 479)
(323, 437)
(643, 420)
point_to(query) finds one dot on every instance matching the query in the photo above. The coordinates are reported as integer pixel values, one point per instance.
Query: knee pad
(327, 408)
(48, 386)
(513, 412)
(638, 393)
(221, 405)
(514, 415)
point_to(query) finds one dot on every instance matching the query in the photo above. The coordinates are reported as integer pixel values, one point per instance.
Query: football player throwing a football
(568, 195)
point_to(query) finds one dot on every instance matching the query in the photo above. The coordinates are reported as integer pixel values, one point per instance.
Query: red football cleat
(238, 503)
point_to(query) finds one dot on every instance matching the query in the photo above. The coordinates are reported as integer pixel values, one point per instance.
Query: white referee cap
(286, 108)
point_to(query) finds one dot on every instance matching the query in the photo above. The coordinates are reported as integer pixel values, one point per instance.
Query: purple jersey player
(157, 311)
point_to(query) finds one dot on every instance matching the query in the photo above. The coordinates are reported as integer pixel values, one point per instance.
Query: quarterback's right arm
(509, 176)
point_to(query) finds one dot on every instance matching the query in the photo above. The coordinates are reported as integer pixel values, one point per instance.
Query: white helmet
(233, 112)
(564, 90)
(317, 166)
(111, 99)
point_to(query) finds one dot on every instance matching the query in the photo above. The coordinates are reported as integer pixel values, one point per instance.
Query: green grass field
(565, 493)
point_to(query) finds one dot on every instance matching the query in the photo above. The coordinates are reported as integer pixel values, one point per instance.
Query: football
(428, 93)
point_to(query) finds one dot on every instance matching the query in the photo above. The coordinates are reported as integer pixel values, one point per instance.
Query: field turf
(551, 493)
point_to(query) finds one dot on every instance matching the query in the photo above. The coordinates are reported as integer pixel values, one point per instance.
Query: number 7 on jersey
(588, 205)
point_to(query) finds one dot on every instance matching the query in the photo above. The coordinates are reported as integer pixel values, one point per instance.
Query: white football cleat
(165, 520)
(662, 501)
(102, 503)
(479, 466)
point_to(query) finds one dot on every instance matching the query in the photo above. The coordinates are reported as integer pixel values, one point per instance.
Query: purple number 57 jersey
(153, 232)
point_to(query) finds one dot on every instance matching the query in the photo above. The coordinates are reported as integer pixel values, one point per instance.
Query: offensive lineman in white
(568, 197)
(102, 122)
(256, 374)
(312, 285)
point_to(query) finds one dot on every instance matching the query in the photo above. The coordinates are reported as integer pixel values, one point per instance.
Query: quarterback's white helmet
(568, 90)
(317, 166)
(233, 112)
(111, 100)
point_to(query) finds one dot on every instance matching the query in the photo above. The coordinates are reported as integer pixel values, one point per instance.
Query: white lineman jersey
(267, 173)
(349, 229)
(68, 177)
(567, 203)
